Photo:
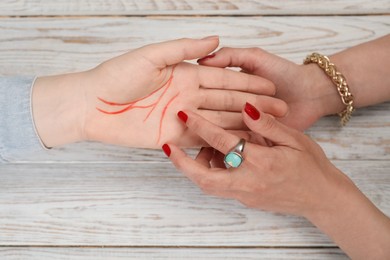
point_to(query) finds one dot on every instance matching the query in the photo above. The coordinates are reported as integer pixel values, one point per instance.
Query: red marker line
(159, 99)
(140, 99)
(124, 110)
(163, 115)
(132, 105)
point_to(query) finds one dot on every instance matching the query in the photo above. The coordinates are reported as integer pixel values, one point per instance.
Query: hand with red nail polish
(132, 100)
(292, 85)
(291, 176)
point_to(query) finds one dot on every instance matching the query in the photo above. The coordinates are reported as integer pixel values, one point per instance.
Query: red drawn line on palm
(132, 105)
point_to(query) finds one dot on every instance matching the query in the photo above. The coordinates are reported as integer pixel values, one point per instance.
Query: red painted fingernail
(252, 111)
(206, 58)
(166, 149)
(183, 116)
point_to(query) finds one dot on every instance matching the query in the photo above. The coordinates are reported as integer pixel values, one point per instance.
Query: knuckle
(220, 143)
(271, 87)
(206, 184)
(180, 165)
(225, 49)
(228, 100)
(255, 50)
(269, 165)
(260, 101)
(203, 98)
(195, 124)
(268, 124)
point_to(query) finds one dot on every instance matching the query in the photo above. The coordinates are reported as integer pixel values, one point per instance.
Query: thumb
(271, 129)
(252, 60)
(172, 52)
(232, 57)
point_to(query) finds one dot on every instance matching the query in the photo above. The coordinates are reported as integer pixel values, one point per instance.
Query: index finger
(199, 173)
(172, 52)
(215, 136)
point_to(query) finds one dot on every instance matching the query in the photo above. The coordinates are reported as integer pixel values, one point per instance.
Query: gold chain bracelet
(338, 79)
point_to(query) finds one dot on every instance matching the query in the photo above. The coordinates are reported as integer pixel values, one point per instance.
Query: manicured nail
(252, 111)
(206, 58)
(210, 37)
(166, 149)
(183, 116)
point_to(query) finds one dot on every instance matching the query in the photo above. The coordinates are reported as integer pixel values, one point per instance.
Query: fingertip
(284, 108)
(182, 116)
(279, 108)
(174, 153)
(212, 42)
(252, 116)
(167, 150)
(211, 38)
(252, 111)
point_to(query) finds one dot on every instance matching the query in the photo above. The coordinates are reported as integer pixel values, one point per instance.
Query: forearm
(58, 108)
(353, 222)
(366, 69)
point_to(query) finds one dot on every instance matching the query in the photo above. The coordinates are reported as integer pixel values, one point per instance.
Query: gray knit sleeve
(18, 136)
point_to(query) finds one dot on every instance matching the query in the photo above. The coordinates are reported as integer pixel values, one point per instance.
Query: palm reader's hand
(306, 89)
(292, 175)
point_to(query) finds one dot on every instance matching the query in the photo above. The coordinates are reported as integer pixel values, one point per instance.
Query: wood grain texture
(9, 253)
(144, 205)
(57, 45)
(95, 195)
(191, 7)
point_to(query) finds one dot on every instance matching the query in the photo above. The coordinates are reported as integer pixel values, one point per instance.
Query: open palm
(133, 99)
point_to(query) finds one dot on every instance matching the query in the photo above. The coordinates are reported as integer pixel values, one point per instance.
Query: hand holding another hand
(306, 89)
(291, 175)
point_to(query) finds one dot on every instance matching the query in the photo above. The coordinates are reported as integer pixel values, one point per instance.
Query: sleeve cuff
(18, 136)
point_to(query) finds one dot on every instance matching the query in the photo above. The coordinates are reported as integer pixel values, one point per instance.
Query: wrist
(57, 106)
(325, 97)
(350, 219)
(333, 199)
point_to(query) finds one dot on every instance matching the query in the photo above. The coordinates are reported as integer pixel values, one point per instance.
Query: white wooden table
(94, 201)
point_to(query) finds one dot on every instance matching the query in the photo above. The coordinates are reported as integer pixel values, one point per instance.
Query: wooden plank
(192, 7)
(149, 204)
(11, 253)
(55, 45)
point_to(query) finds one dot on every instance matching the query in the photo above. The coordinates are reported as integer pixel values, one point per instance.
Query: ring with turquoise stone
(234, 158)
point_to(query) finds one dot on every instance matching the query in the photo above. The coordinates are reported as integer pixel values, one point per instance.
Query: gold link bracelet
(338, 79)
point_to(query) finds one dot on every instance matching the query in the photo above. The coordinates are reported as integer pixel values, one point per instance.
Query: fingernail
(183, 116)
(252, 111)
(166, 149)
(210, 37)
(206, 58)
